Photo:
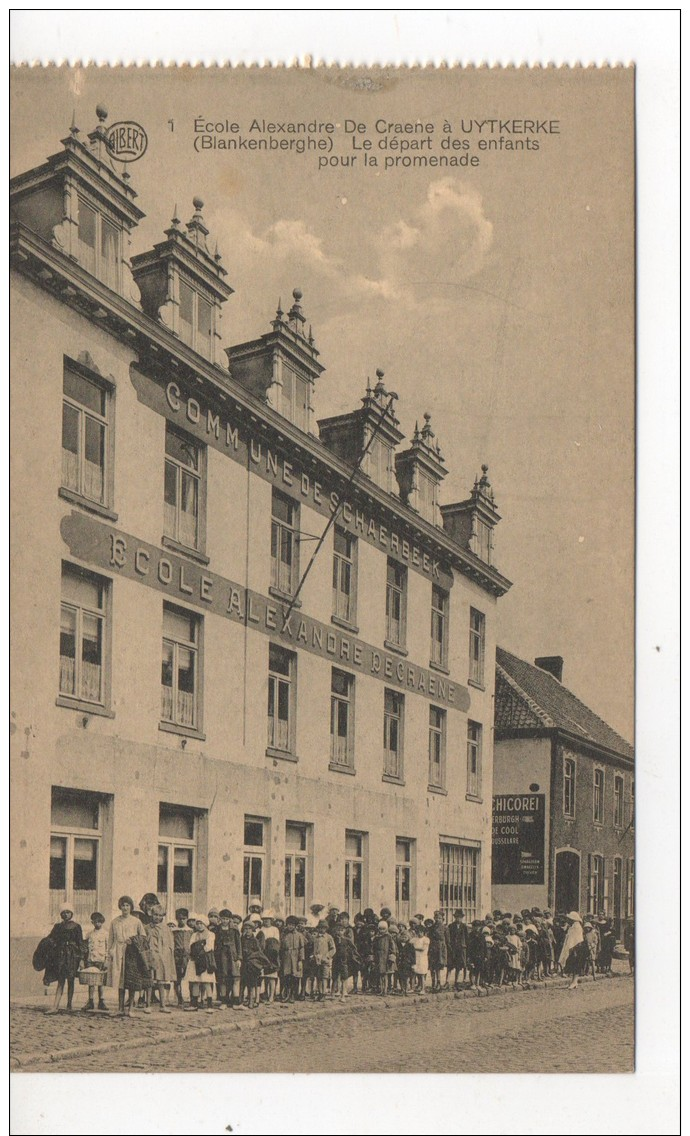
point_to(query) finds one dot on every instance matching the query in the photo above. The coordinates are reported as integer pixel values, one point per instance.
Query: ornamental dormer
(420, 471)
(374, 428)
(183, 283)
(79, 202)
(281, 367)
(471, 523)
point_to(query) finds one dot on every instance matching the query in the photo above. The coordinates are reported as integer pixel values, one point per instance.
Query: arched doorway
(567, 889)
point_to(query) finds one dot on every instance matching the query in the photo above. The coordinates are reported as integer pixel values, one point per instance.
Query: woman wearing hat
(65, 957)
(570, 958)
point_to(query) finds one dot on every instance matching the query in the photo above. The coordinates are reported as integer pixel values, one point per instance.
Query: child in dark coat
(385, 956)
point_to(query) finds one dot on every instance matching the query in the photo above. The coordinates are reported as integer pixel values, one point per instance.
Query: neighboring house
(182, 721)
(564, 794)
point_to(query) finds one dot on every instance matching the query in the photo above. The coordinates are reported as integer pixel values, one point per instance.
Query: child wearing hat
(346, 959)
(96, 956)
(323, 948)
(67, 949)
(385, 956)
(162, 949)
(225, 956)
(407, 957)
(200, 974)
(254, 962)
(291, 960)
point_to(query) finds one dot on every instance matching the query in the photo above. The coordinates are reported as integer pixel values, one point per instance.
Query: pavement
(344, 1036)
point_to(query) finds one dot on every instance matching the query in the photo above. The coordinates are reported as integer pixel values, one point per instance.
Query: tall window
(403, 879)
(294, 403)
(255, 883)
(396, 596)
(477, 646)
(484, 542)
(393, 713)
(355, 865)
(180, 668)
(439, 626)
(630, 905)
(458, 878)
(82, 635)
(76, 831)
(474, 759)
(598, 797)
(618, 800)
(342, 718)
(282, 666)
(437, 748)
(84, 437)
(195, 320)
(632, 802)
(598, 888)
(284, 532)
(177, 849)
(183, 487)
(568, 787)
(296, 868)
(344, 547)
(98, 245)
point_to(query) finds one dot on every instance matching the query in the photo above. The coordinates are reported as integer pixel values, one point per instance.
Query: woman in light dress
(124, 928)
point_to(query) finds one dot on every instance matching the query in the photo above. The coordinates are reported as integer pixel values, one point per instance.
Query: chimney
(553, 664)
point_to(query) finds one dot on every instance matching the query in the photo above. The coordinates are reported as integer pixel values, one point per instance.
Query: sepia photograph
(322, 570)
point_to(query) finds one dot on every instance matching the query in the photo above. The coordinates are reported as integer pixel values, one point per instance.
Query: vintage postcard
(323, 401)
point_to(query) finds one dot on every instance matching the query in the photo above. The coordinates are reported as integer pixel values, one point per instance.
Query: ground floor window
(255, 883)
(597, 899)
(355, 865)
(297, 868)
(458, 878)
(630, 899)
(76, 830)
(403, 879)
(177, 856)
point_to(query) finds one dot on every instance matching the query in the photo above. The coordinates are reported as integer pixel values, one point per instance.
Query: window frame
(348, 699)
(474, 747)
(104, 507)
(439, 616)
(630, 888)
(477, 648)
(399, 590)
(196, 338)
(362, 859)
(340, 559)
(292, 528)
(598, 892)
(99, 260)
(249, 853)
(570, 815)
(459, 876)
(290, 679)
(291, 856)
(598, 792)
(172, 843)
(437, 732)
(71, 833)
(103, 707)
(404, 864)
(618, 800)
(175, 727)
(195, 551)
(396, 714)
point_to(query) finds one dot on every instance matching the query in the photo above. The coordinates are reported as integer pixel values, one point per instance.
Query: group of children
(228, 960)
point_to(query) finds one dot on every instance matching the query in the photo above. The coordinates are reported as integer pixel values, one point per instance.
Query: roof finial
(175, 221)
(101, 112)
(198, 206)
(74, 129)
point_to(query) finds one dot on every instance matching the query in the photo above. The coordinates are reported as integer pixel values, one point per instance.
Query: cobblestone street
(545, 1029)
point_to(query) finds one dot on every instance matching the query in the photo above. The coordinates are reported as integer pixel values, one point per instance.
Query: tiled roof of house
(528, 697)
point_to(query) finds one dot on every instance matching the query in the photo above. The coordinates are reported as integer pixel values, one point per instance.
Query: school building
(191, 714)
(564, 798)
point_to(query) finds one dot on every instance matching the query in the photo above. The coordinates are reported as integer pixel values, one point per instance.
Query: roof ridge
(534, 706)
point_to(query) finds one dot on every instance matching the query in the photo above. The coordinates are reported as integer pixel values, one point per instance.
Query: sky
(499, 298)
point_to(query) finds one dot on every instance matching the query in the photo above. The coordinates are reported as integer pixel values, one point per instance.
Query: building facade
(564, 798)
(199, 708)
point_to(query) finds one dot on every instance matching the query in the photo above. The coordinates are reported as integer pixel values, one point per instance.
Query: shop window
(396, 603)
(477, 646)
(474, 760)
(344, 577)
(255, 882)
(284, 544)
(76, 833)
(184, 496)
(393, 722)
(180, 673)
(282, 671)
(342, 719)
(83, 637)
(437, 748)
(177, 857)
(85, 440)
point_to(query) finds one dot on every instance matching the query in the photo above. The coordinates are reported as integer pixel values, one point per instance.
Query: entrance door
(567, 881)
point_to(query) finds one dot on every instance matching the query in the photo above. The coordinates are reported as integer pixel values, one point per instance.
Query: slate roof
(529, 698)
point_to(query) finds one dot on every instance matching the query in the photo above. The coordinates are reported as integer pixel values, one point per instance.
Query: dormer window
(294, 403)
(98, 248)
(379, 466)
(195, 320)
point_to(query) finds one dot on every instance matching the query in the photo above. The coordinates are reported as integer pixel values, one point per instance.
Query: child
(182, 937)
(253, 963)
(291, 959)
(346, 957)
(407, 957)
(96, 955)
(68, 948)
(323, 950)
(126, 955)
(201, 967)
(162, 948)
(420, 942)
(225, 953)
(385, 956)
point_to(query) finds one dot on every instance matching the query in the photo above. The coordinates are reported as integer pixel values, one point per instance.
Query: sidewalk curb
(19, 1061)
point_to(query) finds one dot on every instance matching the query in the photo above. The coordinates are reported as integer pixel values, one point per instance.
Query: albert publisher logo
(127, 141)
